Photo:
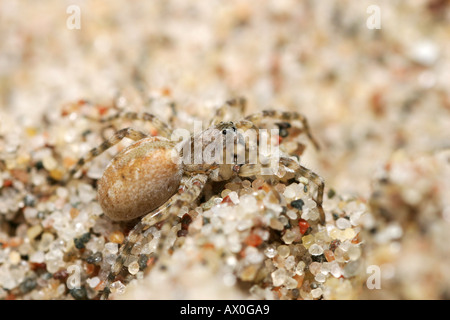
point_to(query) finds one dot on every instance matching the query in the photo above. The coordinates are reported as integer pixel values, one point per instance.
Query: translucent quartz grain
(305, 214)
(316, 293)
(111, 247)
(325, 268)
(256, 184)
(289, 263)
(355, 218)
(308, 240)
(53, 265)
(315, 267)
(283, 251)
(34, 231)
(110, 258)
(37, 257)
(343, 223)
(279, 276)
(93, 282)
(270, 252)
(243, 224)
(252, 255)
(313, 214)
(117, 287)
(320, 277)
(280, 188)
(150, 246)
(351, 269)
(289, 192)
(248, 273)
(276, 224)
(354, 252)
(289, 237)
(292, 214)
(225, 193)
(334, 233)
(246, 184)
(284, 220)
(349, 234)
(310, 204)
(315, 250)
(29, 212)
(14, 257)
(49, 163)
(25, 248)
(229, 279)
(133, 268)
(335, 269)
(86, 193)
(290, 283)
(299, 269)
(234, 197)
(322, 237)
(248, 204)
(257, 292)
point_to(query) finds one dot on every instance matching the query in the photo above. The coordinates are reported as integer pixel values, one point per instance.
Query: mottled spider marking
(163, 128)
(139, 179)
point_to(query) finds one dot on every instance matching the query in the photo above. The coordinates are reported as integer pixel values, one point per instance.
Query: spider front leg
(115, 139)
(236, 105)
(286, 117)
(250, 170)
(311, 176)
(190, 189)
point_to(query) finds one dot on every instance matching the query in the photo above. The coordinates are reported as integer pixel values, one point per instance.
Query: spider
(143, 180)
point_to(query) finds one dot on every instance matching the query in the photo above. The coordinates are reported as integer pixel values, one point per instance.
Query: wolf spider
(143, 180)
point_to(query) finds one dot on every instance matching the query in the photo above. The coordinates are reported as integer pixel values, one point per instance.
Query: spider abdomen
(139, 179)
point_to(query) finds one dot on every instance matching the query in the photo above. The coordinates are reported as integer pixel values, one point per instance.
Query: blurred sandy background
(367, 93)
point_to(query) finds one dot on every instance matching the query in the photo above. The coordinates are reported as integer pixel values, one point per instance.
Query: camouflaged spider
(144, 180)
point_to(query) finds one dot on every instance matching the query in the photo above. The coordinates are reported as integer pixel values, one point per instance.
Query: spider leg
(163, 128)
(238, 105)
(249, 170)
(246, 124)
(256, 118)
(173, 113)
(113, 140)
(191, 187)
(311, 176)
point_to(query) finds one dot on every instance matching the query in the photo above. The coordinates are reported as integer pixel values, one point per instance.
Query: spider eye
(224, 131)
(234, 129)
